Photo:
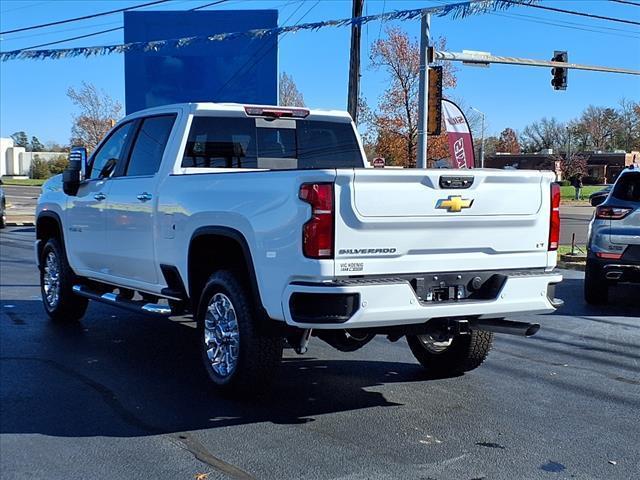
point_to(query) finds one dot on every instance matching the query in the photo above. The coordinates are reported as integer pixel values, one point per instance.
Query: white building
(16, 161)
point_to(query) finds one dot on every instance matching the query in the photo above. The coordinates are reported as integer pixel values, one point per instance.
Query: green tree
(58, 164)
(39, 168)
(20, 139)
(36, 145)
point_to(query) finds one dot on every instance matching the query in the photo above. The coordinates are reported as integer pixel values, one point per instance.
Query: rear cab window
(627, 188)
(276, 144)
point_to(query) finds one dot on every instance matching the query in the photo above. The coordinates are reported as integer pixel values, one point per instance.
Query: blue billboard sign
(243, 70)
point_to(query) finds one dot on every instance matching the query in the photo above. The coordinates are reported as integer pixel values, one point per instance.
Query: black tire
(596, 288)
(68, 307)
(465, 353)
(259, 348)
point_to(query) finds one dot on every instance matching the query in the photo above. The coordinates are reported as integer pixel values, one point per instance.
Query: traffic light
(559, 80)
(434, 115)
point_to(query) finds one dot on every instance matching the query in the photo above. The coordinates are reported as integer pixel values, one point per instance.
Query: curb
(20, 224)
(571, 266)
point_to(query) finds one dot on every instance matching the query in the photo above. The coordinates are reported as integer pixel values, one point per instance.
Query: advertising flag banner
(459, 134)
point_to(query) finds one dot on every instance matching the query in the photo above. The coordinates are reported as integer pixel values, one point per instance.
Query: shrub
(58, 164)
(39, 168)
(565, 183)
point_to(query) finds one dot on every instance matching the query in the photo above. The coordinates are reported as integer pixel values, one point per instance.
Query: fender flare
(38, 243)
(240, 239)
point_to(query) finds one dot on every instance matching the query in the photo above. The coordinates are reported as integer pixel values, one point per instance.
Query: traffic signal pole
(423, 90)
(354, 63)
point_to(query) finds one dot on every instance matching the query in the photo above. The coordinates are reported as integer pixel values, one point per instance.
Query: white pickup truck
(264, 223)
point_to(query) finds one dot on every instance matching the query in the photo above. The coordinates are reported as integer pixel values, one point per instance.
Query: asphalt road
(575, 219)
(122, 396)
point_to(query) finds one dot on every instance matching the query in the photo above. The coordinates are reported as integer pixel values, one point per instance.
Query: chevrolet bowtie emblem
(455, 203)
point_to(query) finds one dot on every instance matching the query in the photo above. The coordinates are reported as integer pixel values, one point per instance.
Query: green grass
(566, 249)
(569, 193)
(23, 182)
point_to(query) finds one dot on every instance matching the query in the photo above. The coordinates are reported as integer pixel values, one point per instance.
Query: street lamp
(482, 133)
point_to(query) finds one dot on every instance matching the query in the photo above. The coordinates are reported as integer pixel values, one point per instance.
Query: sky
(33, 92)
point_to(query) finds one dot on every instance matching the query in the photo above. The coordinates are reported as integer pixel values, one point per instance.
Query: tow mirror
(598, 200)
(76, 171)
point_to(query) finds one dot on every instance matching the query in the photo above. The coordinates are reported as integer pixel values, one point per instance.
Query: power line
(73, 38)
(208, 5)
(101, 32)
(570, 25)
(572, 12)
(628, 2)
(44, 34)
(243, 68)
(85, 17)
(31, 5)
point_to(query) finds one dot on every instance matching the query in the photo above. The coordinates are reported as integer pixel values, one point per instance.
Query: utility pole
(354, 63)
(482, 136)
(423, 94)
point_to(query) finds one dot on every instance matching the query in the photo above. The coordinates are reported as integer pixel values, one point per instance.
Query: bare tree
(290, 96)
(97, 113)
(628, 134)
(547, 133)
(598, 127)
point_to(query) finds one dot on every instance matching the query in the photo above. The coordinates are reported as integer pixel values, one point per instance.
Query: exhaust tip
(532, 330)
(614, 275)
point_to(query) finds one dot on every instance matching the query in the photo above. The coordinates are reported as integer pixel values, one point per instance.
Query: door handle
(99, 196)
(143, 197)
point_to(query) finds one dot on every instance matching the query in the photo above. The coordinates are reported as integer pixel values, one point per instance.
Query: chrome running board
(113, 299)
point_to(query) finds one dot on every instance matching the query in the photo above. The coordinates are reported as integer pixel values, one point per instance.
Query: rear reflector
(609, 256)
(317, 233)
(554, 220)
(276, 112)
(612, 213)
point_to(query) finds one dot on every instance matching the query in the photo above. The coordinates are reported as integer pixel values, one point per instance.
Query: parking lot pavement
(21, 203)
(574, 219)
(122, 396)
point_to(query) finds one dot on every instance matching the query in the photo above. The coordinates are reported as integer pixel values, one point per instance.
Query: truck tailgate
(416, 221)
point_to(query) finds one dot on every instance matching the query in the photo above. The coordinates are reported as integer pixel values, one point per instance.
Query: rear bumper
(615, 271)
(390, 302)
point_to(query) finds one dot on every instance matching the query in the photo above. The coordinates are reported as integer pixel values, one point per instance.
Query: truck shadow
(132, 375)
(624, 301)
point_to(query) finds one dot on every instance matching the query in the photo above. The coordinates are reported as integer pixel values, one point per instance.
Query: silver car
(614, 238)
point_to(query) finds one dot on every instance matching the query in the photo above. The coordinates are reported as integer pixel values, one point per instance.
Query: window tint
(221, 143)
(327, 145)
(148, 149)
(277, 142)
(110, 153)
(237, 142)
(628, 187)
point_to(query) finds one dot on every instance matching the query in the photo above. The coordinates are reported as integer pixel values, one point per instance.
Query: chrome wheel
(221, 335)
(434, 346)
(51, 279)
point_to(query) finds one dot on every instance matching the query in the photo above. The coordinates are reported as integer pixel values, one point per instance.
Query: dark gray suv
(614, 239)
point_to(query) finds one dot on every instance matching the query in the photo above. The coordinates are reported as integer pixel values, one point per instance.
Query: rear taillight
(317, 233)
(611, 213)
(609, 256)
(554, 220)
